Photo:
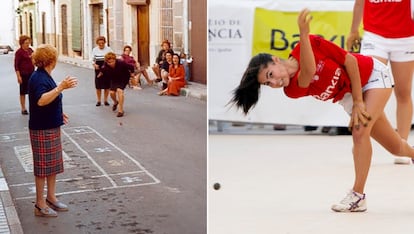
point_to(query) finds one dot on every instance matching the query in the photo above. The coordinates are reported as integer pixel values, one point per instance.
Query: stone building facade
(73, 25)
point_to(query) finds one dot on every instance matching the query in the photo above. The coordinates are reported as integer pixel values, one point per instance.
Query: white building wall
(7, 16)
(88, 44)
(129, 17)
(155, 39)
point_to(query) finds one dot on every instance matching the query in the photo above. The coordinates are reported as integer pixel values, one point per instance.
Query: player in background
(389, 37)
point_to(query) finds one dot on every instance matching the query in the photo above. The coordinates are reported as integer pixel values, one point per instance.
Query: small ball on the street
(216, 186)
(120, 123)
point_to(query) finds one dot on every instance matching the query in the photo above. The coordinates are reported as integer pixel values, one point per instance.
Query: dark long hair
(246, 95)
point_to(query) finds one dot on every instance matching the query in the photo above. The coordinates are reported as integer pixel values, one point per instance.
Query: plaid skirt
(47, 152)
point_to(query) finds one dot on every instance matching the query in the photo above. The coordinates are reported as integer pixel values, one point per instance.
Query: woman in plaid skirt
(46, 117)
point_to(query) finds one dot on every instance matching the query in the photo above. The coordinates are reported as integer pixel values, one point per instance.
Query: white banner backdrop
(230, 25)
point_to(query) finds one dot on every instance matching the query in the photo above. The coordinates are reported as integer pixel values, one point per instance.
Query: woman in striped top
(101, 82)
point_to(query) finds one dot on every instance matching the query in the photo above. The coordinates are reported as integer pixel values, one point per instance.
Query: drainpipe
(86, 47)
(14, 10)
(106, 22)
(185, 26)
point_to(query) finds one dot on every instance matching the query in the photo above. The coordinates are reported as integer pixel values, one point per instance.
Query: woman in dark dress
(46, 117)
(24, 68)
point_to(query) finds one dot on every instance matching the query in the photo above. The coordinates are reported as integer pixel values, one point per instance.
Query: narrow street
(141, 173)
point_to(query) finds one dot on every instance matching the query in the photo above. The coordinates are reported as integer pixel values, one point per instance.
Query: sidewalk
(194, 90)
(9, 220)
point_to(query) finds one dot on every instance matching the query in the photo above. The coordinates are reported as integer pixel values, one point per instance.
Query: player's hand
(359, 117)
(304, 19)
(353, 42)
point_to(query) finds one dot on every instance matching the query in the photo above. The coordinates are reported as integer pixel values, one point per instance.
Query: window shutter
(76, 26)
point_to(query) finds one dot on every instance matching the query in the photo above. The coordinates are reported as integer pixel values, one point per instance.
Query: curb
(188, 93)
(13, 221)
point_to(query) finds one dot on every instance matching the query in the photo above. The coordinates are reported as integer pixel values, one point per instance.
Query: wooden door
(64, 28)
(143, 35)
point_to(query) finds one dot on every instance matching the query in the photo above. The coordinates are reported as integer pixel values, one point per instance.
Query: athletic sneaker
(351, 203)
(402, 160)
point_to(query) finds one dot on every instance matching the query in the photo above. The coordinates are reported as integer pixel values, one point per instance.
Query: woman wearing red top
(135, 76)
(325, 71)
(24, 68)
(176, 77)
(389, 37)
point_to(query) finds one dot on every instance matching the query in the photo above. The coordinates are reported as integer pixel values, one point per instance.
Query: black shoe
(98, 104)
(279, 127)
(106, 103)
(24, 112)
(115, 106)
(158, 80)
(310, 128)
(120, 114)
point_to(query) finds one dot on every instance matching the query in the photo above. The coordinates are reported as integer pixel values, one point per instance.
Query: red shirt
(178, 72)
(23, 61)
(388, 18)
(129, 59)
(331, 80)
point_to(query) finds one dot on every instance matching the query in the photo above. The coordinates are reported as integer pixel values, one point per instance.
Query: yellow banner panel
(277, 32)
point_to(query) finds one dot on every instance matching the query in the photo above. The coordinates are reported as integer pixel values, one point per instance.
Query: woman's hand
(359, 116)
(65, 118)
(303, 21)
(68, 82)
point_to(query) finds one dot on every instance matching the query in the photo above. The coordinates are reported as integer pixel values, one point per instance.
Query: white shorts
(380, 78)
(393, 49)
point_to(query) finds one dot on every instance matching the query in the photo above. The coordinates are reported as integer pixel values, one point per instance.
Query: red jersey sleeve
(322, 49)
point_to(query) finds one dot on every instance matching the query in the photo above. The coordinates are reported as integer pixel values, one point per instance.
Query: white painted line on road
(3, 185)
(91, 159)
(25, 155)
(90, 190)
(10, 137)
(81, 178)
(139, 177)
(123, 152)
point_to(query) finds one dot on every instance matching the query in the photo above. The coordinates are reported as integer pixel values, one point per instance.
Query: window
(166, 12)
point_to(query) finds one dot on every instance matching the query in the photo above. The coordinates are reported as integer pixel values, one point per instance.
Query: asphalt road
(142, 173)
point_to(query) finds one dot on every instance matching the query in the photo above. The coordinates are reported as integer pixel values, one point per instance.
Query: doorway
(143, 35)
(64, 28)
